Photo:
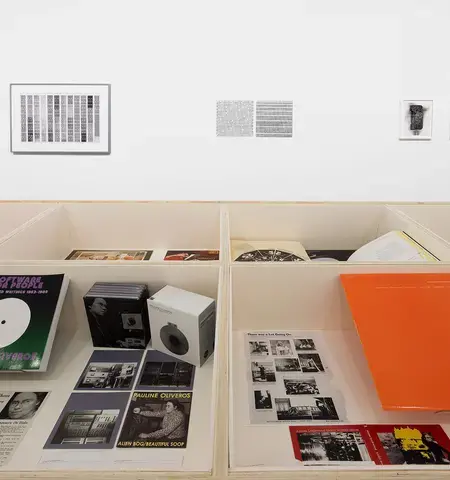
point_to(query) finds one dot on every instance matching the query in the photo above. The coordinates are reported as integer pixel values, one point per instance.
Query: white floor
(67, 361)
(269, 447)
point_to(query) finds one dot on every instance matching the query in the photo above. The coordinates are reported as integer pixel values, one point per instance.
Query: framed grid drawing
(60, 118)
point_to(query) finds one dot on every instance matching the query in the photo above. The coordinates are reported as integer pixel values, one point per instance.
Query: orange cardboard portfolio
(403, 321)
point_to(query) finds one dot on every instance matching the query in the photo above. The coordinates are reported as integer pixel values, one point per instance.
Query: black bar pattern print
(274, 119)
(60, 118)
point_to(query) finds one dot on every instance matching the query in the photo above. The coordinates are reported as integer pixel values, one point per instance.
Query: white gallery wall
(346, 64)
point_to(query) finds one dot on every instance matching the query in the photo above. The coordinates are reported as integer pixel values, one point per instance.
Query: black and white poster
(289, 379)
(60, 118)
(157, 420)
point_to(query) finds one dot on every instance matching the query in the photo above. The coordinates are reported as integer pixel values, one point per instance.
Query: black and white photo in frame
(60, 118)
(416, 119)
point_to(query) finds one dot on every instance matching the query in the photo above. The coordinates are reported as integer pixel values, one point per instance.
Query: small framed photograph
(60, 118)
(416, 119)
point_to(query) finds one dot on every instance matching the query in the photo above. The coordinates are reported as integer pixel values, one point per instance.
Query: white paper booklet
(393, 246)
(17, 411)
(289, 380)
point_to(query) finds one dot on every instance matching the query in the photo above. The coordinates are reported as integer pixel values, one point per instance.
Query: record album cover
(29, 312)
(157, 420)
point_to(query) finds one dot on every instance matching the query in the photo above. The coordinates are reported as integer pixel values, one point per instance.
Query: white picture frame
(424, 119)
(60, 118)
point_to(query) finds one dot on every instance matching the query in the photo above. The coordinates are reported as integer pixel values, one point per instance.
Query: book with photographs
(267, 251)
(30, 307)
(406, 444)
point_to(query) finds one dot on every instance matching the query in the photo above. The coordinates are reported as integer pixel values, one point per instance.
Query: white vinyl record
(15, 316)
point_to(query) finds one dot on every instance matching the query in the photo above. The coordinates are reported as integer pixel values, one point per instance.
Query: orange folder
(403, 321)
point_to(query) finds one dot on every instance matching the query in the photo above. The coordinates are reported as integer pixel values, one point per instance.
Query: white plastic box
(182, 324)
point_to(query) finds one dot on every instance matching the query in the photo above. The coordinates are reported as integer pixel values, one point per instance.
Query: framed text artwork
(60, 118)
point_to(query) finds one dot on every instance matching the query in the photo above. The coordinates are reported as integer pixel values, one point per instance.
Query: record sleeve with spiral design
(268, 251)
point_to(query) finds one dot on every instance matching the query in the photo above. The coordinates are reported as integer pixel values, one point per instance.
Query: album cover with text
(156, 420)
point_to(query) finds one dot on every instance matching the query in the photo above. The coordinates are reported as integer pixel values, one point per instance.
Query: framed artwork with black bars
(60, 118)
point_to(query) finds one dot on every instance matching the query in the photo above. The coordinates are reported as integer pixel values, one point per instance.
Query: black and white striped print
(274, 119)
(60, 118)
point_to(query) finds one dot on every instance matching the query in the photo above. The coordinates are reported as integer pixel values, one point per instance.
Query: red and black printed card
(332, 444)
(379, 444)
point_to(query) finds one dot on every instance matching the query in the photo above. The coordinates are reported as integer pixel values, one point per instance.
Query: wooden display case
(271, 296)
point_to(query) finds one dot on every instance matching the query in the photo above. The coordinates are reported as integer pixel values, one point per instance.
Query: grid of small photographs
(110, 408)
(289, 381)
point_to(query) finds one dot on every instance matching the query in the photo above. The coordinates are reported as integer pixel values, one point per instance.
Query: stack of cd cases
(117, 314)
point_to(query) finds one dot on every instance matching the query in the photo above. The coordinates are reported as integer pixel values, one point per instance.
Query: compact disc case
(117, 314)
(183, 324)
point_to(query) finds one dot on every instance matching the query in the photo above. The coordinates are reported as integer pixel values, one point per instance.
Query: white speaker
(182, 324)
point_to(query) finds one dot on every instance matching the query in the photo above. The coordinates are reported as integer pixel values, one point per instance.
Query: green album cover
(27, 309)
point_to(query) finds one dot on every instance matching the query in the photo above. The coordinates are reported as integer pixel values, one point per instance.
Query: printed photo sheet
(136, 255)
(289, 379)
(110, 370)
(164, 372)
(376, 444)
(192, 255)
(89, 421)
(17, 411)
(157, 420)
